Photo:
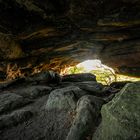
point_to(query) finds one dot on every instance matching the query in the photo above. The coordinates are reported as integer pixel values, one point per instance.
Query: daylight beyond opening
(104, 74)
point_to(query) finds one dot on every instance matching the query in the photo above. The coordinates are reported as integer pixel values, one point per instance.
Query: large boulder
(87, 116)
(46, 76)
(64, 98)
(92, 87)
(79, 77)
(121, 116)
(15, 118)
(33, 92)
(10, 101)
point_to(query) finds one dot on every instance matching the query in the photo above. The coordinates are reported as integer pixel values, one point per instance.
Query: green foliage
(105, 77)
(74, 70)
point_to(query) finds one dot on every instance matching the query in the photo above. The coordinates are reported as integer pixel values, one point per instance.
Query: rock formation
(69, 110)
(120, 117)
(50, 34)
(38, 36)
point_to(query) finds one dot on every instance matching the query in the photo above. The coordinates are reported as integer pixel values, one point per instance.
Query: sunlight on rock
(104, 74)
(90, 65)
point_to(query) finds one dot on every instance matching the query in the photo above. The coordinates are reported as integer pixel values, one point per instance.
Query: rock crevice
(66, 32)
(65, 111)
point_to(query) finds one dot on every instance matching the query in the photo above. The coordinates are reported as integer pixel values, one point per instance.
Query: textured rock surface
(47, 76)
(120, 117)
(87, 114)
(33, 92)
(79, 77)
(54, 34)
(64, 98)
(14, 118)
(31, 110)
(10, 101)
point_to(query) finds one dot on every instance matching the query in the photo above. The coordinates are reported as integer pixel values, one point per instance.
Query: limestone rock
(14, 118)
(79, 77)
(64, 98)
(34, 91)
(88, 111)
(46, 76)
(120, 117)
(10, 83)
(10, 101)
(9, 48)
(119, 85)
(92, 87)
(67, 111)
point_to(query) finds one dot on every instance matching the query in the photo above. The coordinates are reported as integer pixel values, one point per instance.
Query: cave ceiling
(59, 33)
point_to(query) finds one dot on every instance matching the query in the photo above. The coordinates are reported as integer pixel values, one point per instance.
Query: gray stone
(10, 83)
(119, 85)
(88, 111)
(121, 116)
(79, 77)
(34, 91)
(64, 98)
(10, 101)
(92, 87)
(46, 76)
(15, 118)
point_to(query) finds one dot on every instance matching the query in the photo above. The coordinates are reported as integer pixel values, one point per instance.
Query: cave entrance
(104, 74)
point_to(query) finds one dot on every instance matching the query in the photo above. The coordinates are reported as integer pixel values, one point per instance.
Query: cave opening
(65, 68)
(104, 74)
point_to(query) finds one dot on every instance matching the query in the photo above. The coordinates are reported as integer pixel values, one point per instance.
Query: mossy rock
(121, 116)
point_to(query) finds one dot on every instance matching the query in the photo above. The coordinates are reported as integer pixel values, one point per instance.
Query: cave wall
(55, 34)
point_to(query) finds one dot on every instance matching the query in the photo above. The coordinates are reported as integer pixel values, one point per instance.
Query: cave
(44, 96)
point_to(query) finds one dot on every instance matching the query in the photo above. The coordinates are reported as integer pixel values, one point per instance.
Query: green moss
(75, 69)
(103, 75)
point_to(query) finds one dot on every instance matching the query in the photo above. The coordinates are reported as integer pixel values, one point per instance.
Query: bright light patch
(96, 64)
(90, 65)
(103, 73)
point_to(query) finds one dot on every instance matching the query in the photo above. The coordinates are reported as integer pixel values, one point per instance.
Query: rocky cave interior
(39, 40)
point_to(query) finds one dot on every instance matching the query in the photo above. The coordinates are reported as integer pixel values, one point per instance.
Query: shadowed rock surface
(50, 34)
(120, 117)
(86, 119)
(48, 110)
(38, 36)
(79, 77)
